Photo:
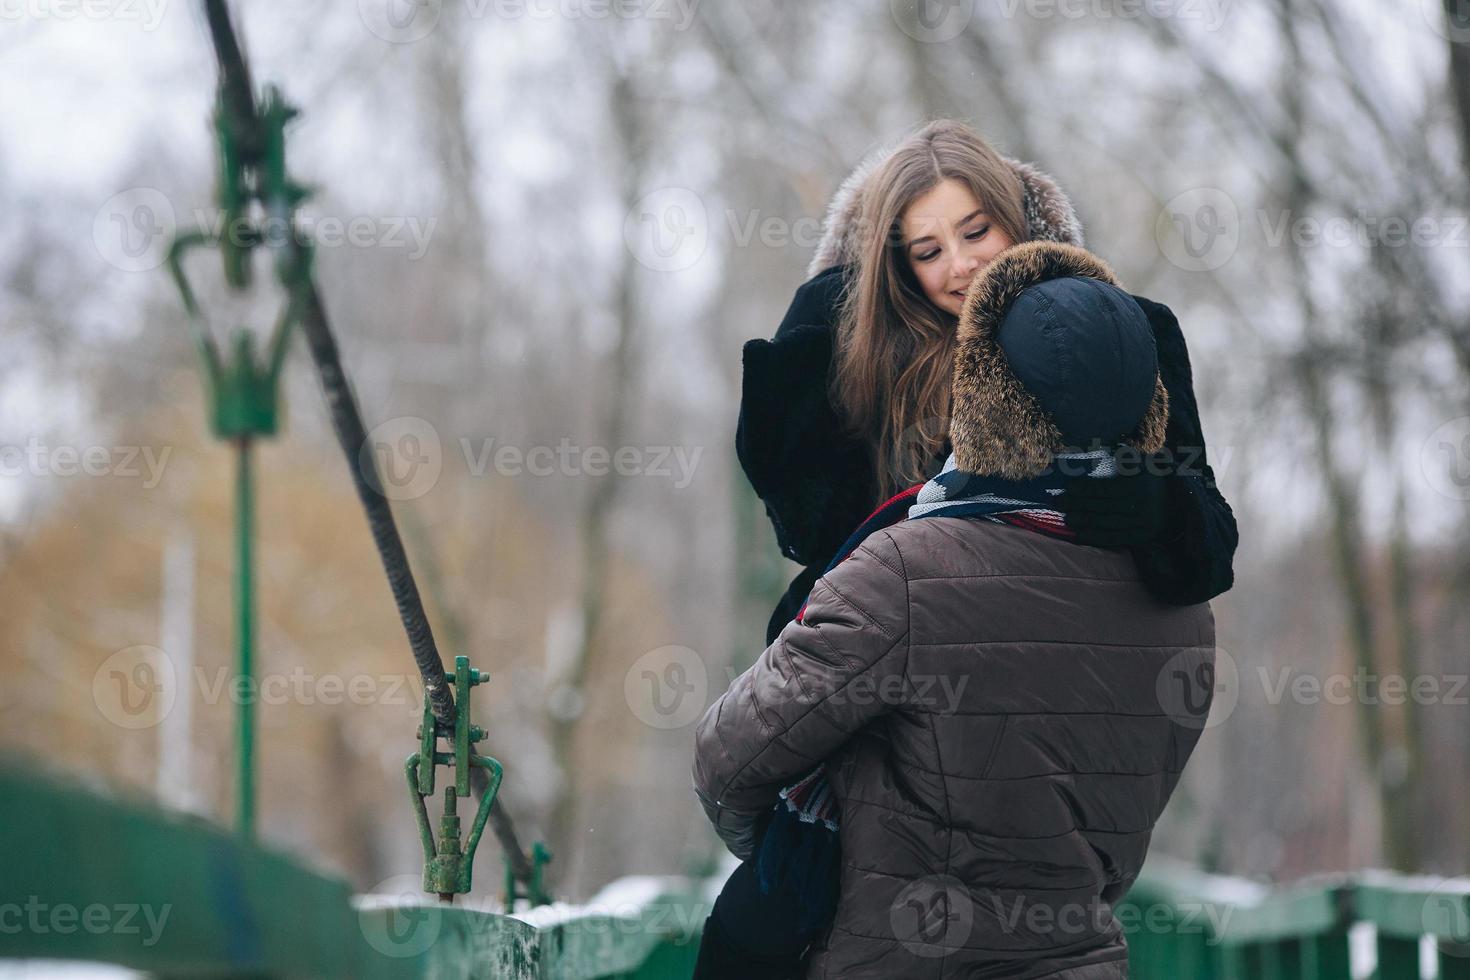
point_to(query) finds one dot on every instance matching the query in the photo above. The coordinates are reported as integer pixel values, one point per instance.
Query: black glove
(1125, 511)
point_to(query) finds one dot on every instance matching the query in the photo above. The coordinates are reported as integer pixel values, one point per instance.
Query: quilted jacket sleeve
(821, 681)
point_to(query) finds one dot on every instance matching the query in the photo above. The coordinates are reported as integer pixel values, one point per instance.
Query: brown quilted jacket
(1004, 716)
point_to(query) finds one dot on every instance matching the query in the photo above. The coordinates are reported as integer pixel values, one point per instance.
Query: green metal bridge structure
(173, 895)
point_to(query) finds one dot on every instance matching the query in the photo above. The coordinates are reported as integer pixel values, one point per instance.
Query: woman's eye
(973, 236)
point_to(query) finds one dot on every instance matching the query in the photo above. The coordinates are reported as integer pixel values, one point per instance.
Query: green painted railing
(1182, 923)
(85, 876)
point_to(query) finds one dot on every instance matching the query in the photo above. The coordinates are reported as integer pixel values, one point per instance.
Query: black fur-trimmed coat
(817, 484)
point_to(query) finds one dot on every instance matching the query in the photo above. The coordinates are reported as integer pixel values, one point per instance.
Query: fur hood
(996, 426)
(1049, 214)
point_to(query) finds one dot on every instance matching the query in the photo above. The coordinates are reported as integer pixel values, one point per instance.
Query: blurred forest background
(569, 215)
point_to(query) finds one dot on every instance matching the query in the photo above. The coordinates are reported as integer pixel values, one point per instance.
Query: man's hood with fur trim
(996, 426)
(1049, 214)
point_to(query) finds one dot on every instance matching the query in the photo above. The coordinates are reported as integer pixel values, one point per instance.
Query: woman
(822, 456)
(846, 404)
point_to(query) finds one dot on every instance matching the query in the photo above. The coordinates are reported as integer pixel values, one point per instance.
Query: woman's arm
(1178, 526)
(822, 680)
(1193, 560)
(810, 475)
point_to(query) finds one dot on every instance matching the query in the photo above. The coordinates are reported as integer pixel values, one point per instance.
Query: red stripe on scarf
(1053, 526)
(1056, 527)
(912, 491)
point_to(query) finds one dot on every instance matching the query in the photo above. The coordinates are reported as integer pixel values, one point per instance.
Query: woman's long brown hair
(895, 349)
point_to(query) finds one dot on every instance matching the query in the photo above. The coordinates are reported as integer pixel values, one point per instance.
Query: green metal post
(535, 891)
(1398, 959)
(1266, 960)
(245, 636)
(241, 394)
(1326, 955)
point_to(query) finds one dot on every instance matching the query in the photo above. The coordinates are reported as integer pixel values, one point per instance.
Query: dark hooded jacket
(1003, 715)
(817, 483)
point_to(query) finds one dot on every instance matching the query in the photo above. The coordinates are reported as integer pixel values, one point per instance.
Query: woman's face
(947, 239)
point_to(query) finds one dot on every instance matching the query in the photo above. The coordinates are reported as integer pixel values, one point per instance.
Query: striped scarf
(800, 843)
